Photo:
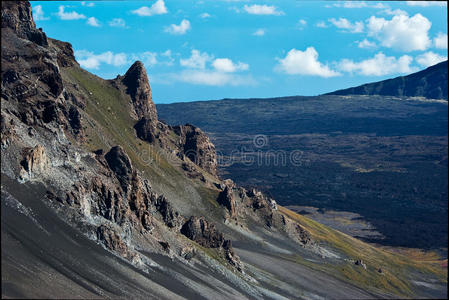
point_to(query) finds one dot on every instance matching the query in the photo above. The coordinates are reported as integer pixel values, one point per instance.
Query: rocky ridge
(105, 185)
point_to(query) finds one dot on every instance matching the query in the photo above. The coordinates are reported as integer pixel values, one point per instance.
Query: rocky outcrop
(196, 145)
(120, 164)
(31, 79)
(199, 230)
(226, 198)
(111, 240)
(34, 161)
(17, 16)
(7, 129)
(169, 215)
(138, 87)
(65, 54)
(146, 130)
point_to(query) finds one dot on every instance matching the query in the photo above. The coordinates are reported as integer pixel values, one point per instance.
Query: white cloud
(321, 24)
(366, 44)
(343, 23)
(427, 3)
(228, 66)
(379, 65)
(213, 78)
(257, 9)
(92, 21)
(197, 60)
(356, 4)
(429, 59)
(73, 15)
(301, 24)
(90, 4)
(157, 8)
(117, 22)
(259, 32)
(304, 63)
(38, 13)
(440, 41)
(394, 12)
(89, 60)
(170, 60)
(401, 32)
(148, 58)
(182, 28)
(205, 15)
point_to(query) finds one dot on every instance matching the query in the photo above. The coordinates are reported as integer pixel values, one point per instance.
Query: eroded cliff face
(47, 130)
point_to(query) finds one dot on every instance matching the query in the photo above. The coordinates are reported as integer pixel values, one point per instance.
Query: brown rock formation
(17, 16)
(138, 87)
(198, 229)
(111, 240)
(196, 145)
(227, 199)
(35, 160)
(120, 164)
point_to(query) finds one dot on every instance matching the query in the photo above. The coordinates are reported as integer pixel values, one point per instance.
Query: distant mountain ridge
(429, 83)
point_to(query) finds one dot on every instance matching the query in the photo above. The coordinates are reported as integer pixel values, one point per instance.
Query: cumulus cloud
(38, 13)
(429, 59)
(92, 21)
(379, 65)
(117, 22)
(228, 66)
(158, 8)
(213, 78)
(401, 32)
(427, 3)
(440, 41)
(259, 32)
(257, 9)
(306, 62)
(180, 29)
(197, 60)
(365, 44)
(73, 15)
(345, 24)
(89, 60)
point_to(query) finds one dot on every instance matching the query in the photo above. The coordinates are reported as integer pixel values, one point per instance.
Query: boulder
(199, 230)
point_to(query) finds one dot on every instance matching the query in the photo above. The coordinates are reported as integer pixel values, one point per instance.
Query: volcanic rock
(138, 87)
(120, 164)
(204, 233)
(227, 199)
(196, 145)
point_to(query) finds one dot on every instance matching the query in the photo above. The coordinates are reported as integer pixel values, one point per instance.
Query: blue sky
(214, 49)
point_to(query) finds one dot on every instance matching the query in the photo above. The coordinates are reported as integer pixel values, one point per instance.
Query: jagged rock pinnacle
(138, 87)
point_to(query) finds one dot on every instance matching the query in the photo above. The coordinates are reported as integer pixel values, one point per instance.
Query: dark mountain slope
(430, 83)
(100, 199)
